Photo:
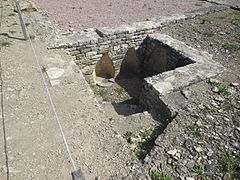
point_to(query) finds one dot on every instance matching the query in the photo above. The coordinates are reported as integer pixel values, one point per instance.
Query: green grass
(221, 87)
(231, 47)
(120, 91)
(44, 69)
(236, 20)
(32, 37)
(199, 3)
(103, 94)
(157, 175)
(236, 12)
(227, 106)
(12, 14)
(194, 130)
(219, 17)
(128, 135)
(209, 109)
(199, 170)
(12, 31)
(5, 44)
(229, 163)
(27, 24)
(148, 140)
(207, 19)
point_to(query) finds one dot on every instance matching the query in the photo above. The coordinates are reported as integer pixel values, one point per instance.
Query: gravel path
(95, 13)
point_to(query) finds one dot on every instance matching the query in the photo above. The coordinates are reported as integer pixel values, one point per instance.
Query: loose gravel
(97, 13)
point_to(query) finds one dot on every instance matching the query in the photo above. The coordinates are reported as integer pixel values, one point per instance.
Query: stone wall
(89, 45)
(163, 91)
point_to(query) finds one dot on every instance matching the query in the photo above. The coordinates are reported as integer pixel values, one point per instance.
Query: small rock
(181, 169)
(212, 80)
(198, 149)
(189, 178)
(209, 117)
(172, 152)
(209, 153)
(215, 89)
(219, 99)
(234, 84)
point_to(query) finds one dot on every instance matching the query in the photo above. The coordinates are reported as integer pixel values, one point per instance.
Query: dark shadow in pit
(11, 37)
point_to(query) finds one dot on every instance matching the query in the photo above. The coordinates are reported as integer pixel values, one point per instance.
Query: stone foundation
(89, 45)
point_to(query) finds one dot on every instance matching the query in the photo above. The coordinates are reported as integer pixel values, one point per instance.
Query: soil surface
(96, 13)
(204, 138)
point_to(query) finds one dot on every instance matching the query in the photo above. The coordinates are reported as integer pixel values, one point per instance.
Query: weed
(110, 4)
(221, 87)
(27, 24)
(32, 37)
(44, 69)
(199, 3)
(219, 17)
(194, 130)
(229, 163)
(236, 20)
(209, 109)
(144, 147)
(111, 119)
(128, 135)
(227, 106)
(198, 170)
(236, 12)
(12, 14)
(157, 175)
(232, 47)
(5, 44)
(120, 91)
(12, 32)
(207, 19)
(103, 94)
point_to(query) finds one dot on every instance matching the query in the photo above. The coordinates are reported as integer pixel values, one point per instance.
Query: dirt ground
(101, 139)
(96, 13)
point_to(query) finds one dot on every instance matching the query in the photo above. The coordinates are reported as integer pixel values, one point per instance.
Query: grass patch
(229, 163)
(209, 109)
(221, 87)
(13, 32)
(32, 37)
(148, 141)
(27, 24)
(128, 135)
(157, 175)
(44, 69)
(199, 170)
(207, 19)
(103, 94)
(194, 130)
(236, 20)
(5, 44)
(236, 13)
(227, 106)
(231, 47)
(120, 91)
(219, 17)
(12, 14)
(199, 3)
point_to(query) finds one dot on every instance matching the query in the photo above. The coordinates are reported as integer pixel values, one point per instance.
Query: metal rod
(21, 20)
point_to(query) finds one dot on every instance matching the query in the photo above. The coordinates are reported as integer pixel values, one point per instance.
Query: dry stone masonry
(89, 45)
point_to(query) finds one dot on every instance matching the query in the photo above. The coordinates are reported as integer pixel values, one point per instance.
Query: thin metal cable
(52, 103)
(2, 99)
